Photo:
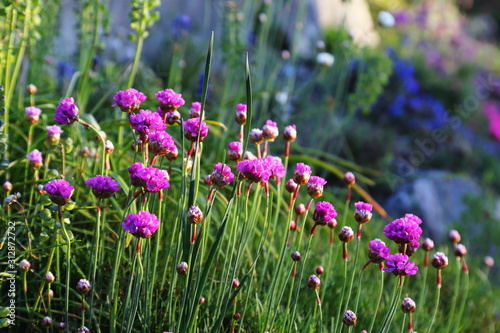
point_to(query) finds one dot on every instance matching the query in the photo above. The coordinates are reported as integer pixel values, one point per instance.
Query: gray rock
(436, 197)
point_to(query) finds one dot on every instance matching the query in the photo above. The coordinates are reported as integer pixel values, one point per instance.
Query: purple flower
(363, 212)
(192, 127)
(147, 122)
(241, 114)
(221, 175)
(377, 251)
(195, 111)
(258, 170)
(161, 143)
(59, 191)
(129, 100)
(277, 168)
(169, 100)
(235, 151)
(398, 264)
(35, 158)
(143, 224)
(150, 179)
(270, 130)
(302, 173)
(66, 112)
(102, 187)
(405, 230)
(53, 130)
(315, 186)
(324, 212)
(314, 282)
(33, 114)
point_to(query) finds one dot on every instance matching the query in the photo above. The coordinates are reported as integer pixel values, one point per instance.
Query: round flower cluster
(324, 212)
(59, 191)
(146, 122)
(149, 178)
(221, 175)
(194, 126)
(142, 225)
(129, 100)
(66, 112)
(398, 264)
(102, 187)
(405, 230)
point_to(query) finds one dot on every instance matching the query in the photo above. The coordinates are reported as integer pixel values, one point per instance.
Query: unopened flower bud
(236, 316)
(293, 225)
(49, 277)
(194, 215)
(46, 321)
(270, 131)
(137, 145)
(41, 189)
(173, 117)
(235, 151)
(296, 256)
(195, 110)
(349, 178)
(248, 156)
(332, 224)
(460, 250)
(314, 282)
(102, 134)
(256, 136)
(363, 212)
(32, 89)
(410, 250)
(7, 186)
(83, 286)
(24, 265)
(172, 155)
(188, 162)
(346, 234)
(454, 236)
(83, 329)
(408, 305)
(428, 244)
(320, 270)
(182, 268)
(50, 294)
(61, 326)
(349, 318)
(291, 186)
(489, 261)
(110, 147)
(235, 284)
(241, 114)
(208, 180)
(85, 152)
(300, 209)
(201, 300)
(290, 133)
(440, 260)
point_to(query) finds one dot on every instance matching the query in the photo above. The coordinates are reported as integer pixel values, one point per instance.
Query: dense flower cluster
(102, 187)
(169, 100)
(59, 191)
(33, 114)
(363, 212)
(324, 212)
(270, 130)
(66, 112)
(149, 178)
(129, 100)
(315, 186)
(161, 143)
(235, 151)
(142, 225)
(221, 175)
(257, 170)
(146, 122)
(378, 251)
(405, 230)
(398, 264)
(193, 126)
(35, 159)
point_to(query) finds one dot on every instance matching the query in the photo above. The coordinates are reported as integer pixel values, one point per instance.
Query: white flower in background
(386, 19)
(281, 97)
(325, 59)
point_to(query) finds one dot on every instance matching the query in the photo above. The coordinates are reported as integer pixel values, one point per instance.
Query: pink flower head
(35, 159)
(270, 130)
(54, 130)
(221, 175)
(150, 179)
(302, 174)
(33, 114)
(256, 137)
(315, 186)
(142, 225)
(277, 168)
(192, 127)
(405, 230)
(235, 151)
(169, 100)
(257, 170)
(241, 114)
(129, 100)
(363, 212)
(195, 111)
(102, 187)
(147, 122)
(290, 133)
(398, 264)
(66, 112)
(324, 212)
(59, 191)
(378, 251)
(161, 143)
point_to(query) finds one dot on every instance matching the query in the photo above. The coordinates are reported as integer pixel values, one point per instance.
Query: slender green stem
(451, 314)
(436, 305)
(338, 327)
(381, 293)
(68, 269)
(464, 301)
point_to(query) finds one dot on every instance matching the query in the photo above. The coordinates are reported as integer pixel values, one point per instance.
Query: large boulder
(436, 197)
